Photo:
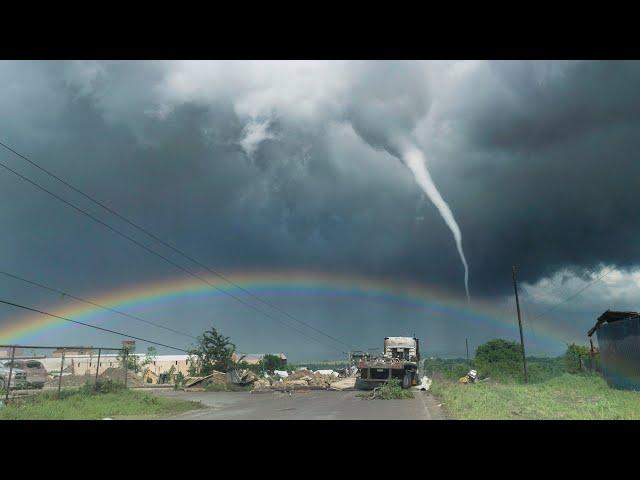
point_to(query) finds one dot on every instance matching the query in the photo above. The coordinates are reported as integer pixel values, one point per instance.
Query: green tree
(150, 357)
(499, 350)
(132, 360)
(271, 362)
(499, 357)
(572, 357)
(212, 351)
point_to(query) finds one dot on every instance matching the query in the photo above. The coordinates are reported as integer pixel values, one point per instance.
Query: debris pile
(306, 380)
(470, 377)
(344, 383)
(241, 376)
(200, 383)
(117, 375)
(70, 380)
(424, 385)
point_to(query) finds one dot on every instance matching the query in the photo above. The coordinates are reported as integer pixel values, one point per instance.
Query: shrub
(498, 351)
(572, 357)
(499, 358)
(271, 363)
(179, 381)
(392, 390)
(102, 386)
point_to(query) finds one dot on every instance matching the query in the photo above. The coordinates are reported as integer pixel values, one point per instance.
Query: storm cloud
(291, 165)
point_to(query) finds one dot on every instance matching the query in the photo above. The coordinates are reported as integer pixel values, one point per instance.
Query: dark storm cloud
(539, 175)
(253, 167)
(385, 102)
(560, 160)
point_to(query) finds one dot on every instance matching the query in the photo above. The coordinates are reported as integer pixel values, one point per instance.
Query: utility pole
(524, 357)
(466, 342)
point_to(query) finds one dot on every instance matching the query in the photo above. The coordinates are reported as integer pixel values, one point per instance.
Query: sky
(263, 168)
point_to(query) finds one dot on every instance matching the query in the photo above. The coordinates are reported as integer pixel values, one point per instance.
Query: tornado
(414, 159)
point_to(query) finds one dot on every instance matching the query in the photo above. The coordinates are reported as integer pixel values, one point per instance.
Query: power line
(153, 252)
(576, 293)
(91, 326)
(80, 299)
(172, 247)
(84, 300)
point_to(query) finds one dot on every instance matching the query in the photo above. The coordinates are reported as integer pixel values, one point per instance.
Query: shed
(618, 335)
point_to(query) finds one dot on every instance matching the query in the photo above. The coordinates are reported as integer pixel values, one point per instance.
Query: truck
(35, 373)
(400, 359)
(18, 377)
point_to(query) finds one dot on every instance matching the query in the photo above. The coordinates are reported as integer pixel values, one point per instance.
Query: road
(310, 405)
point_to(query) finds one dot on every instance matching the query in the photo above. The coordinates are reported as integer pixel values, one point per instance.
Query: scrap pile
(117, 375)
(280, 380)
(69, 380)
(305, 380)
(470, 377)
(200, 383)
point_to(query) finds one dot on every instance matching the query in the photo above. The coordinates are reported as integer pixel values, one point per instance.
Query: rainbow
(24, 327)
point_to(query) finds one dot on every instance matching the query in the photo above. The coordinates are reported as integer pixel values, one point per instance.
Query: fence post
(466, 343)
(126, 366)
(61, 368)
(592, 353)
(8, 386)
(580, 362)
(95, 384)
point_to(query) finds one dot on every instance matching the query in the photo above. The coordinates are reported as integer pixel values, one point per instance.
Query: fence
(589, 363)
(52, 368)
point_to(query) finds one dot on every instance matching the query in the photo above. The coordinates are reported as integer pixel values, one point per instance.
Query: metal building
(618, 335)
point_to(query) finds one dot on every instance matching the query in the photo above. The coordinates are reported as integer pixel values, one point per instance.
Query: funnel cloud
(388, 100)
(414, 159)
(295, 165)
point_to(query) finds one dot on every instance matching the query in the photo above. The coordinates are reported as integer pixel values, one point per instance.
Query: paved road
(310, 405)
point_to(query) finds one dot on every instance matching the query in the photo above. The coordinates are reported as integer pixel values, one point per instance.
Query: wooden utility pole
(524, 357)
(466, 342)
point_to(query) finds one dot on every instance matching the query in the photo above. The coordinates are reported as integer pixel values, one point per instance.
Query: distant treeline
(501, 360)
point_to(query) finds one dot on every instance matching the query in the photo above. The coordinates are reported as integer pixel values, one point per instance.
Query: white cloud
(254, 133)
(615, 290)
(302, 90)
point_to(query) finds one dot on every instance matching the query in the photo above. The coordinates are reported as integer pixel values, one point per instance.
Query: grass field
(85, 405)
(563, 397)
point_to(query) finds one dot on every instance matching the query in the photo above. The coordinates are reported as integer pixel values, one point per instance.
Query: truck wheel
(406, 381)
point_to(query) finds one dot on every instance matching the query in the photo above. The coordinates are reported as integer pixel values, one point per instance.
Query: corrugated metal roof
(611, 316)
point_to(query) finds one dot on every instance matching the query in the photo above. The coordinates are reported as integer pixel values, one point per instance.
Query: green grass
(84, 404)
(561, 397)
(392, 390)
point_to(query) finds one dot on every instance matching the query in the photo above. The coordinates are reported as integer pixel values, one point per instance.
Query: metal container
(619, 343)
